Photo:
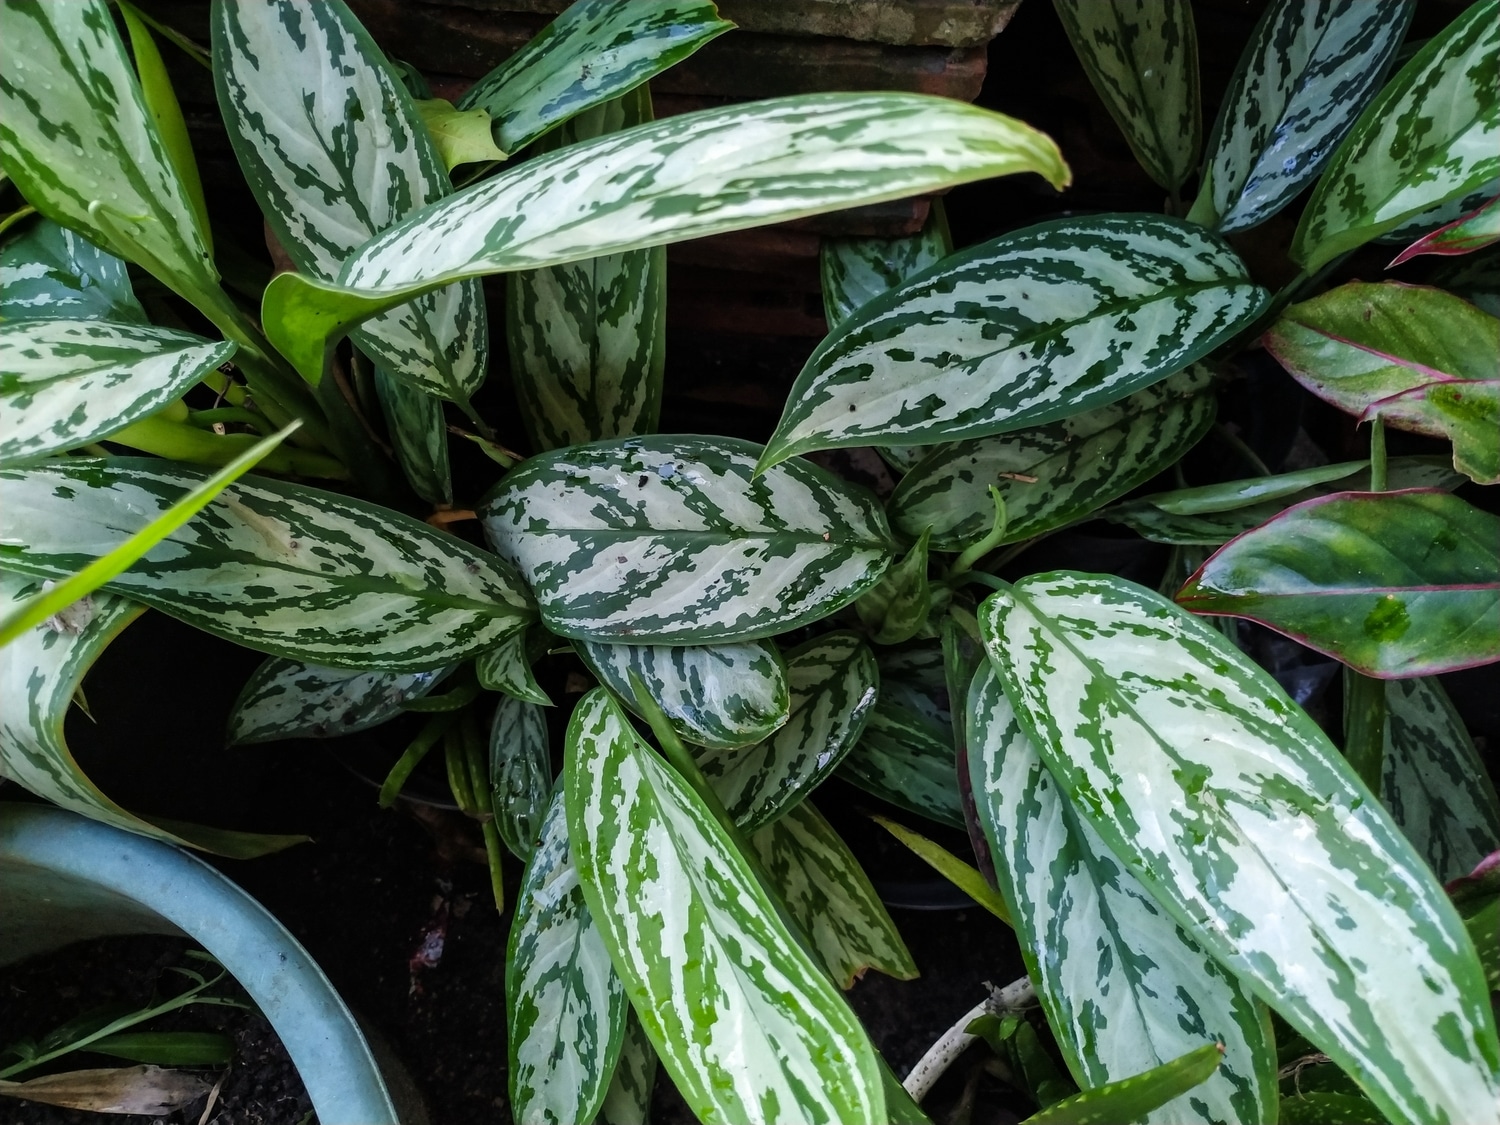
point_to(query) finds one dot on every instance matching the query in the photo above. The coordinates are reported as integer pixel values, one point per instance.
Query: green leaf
(335, 151)
(1305, 74)
(289, 570)
(520, 775)
(828, 894)
(1433, 134)
(161, 103)
(672, 540)
(1322, 1108)
(1125, 988)
(40, 673)
(749, 1028)
(291, 699)
(1435, 785)
(628, 1099)
(906, 757)
(896, 607)
(1051, 475)
(962, 875)
(65, 383)
(1229, 496)
(1248, 828)
(832, 682)
(1418, 358)
(587, 341)
(719, 696)
(1007, 334)
(50, 272)
(855, 271)
(565, 1006)
(1332, 574)
(594, 51)
(1211, 528)
(419, 435)
(1464, 235)
(507, 667)
(461, 136)
(1142, 59)
(1132, 1099)
(688, 176)
(76, 138)
(168, 1048)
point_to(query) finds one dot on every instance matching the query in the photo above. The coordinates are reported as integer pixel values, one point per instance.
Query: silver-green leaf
(520, 773)
(51, 272)
(674, 540)
(289, 570)
(507, 667)
(628, 1099)
(1246, 825)
(292, 699)
(750, 1029)
(906, 757)
(1031, 327)
(419, 435)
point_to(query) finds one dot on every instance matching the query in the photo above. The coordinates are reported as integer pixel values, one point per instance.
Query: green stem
(977, 550)
(180, 441)
(1364, 727)
(390, 789)
(228, 415)
(455, 760)
(479, 782)
(1378, 474)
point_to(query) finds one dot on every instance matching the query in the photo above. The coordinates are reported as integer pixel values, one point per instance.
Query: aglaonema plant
(1181, 850)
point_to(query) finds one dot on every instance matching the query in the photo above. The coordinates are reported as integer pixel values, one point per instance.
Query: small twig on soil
(953, 1042)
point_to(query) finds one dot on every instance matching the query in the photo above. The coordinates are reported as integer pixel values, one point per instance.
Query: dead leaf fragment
(129, 1089)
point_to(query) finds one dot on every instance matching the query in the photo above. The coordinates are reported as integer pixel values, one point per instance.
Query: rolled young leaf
(288, 570)
(507, 667)
(292, 699)
(689, 176)
(1308, 70)
(587, 340)
(1331, 574)
(1051, 475)
(419, 435)
(335, 151)
(594, 51)
(1142, 58)
(565, 1006)
(829, 895)
(1270, 853)
(520, 773)
(1008, 334)
(750, 1029)
(719, 696)
(1436, 785)
(1433, 134)
(65, 383)
(897, 606)
(1125, 988)
(832, 682)
(50, 272)
(673, 540)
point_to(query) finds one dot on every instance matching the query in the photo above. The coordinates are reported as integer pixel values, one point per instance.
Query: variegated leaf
(51, 272)
(719, 696)
(1124, 986)
(750, 1029)
(596, 50)
(828, 894)
(40, 673)
(65, 383)
(1051, 475)
(1242, 821)
(1217, 513)
(1474, 230)
(906, 757)
(565, 1006)
(291, 699)
(419, 435)
(1142, 58)
(674, 540)
(1432, 135)
(628, 1099)
(833, 682)
(1439, 216)
(289, 570)
(855, 271)
(1435, 784)
(520, 774)
(587, 340)
(896, 607)
(507, 667)
(77, 140)
(689, 176)
(335, 151)
(1308, 70)
(1031, 327)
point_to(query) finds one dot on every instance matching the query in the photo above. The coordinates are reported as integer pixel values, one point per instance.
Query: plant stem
(180, 441)
(1364, 727)
(1378, 475)
(226, 415)
(977, 550)
(955, 1041)
(479, 783)
(390, 789)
